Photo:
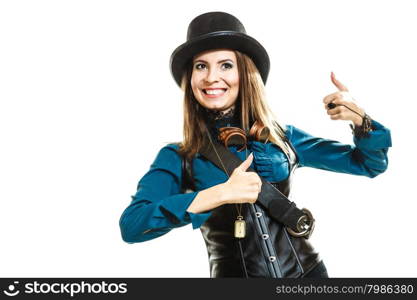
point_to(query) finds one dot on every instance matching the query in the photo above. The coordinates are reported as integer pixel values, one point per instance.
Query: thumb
(246, 164)
(338, 84)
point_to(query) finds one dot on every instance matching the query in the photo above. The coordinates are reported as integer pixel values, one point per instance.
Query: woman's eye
(200, 66)
(227, 66)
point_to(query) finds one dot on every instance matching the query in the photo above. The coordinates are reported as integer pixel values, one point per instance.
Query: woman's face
(215, 79)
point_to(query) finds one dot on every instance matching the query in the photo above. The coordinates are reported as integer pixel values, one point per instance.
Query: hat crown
(213, 22)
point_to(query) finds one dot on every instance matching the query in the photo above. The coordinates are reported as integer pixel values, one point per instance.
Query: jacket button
(265, 236)
(272, 258)
(258, 214)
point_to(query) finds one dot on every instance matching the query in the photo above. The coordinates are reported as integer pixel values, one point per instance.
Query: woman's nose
(212, 75)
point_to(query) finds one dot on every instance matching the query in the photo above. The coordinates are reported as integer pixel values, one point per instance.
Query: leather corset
(268, 250)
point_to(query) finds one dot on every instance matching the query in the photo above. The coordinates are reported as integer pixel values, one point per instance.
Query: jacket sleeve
(367, 157)
(158, 205)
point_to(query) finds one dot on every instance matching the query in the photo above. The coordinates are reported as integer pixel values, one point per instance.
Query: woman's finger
(331, 97)
(341, 87)
(335, 111)
(336, 116)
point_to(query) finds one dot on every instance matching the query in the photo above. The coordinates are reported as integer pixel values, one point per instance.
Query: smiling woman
(239, 201)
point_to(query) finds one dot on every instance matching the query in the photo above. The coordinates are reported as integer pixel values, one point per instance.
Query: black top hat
(215, 30)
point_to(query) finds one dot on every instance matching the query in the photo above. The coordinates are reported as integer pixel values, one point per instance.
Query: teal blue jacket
(159, 206)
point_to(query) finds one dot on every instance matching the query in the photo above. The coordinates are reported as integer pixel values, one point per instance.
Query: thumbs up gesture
(242, 186)
(343, 106)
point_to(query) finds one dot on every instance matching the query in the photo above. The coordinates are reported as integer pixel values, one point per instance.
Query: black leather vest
(268, 250)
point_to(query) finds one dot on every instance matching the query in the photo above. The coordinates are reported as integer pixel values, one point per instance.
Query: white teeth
(214, 92)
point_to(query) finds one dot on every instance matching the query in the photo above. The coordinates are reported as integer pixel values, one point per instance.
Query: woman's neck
(226, 111)
(226, 118)
(221, 114)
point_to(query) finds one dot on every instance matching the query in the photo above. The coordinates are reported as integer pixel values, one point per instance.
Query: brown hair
(251, 103)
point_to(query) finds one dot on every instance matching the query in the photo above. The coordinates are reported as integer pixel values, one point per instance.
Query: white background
(87, 100)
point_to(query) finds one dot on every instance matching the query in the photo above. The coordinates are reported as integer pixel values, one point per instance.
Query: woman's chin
(217, 107)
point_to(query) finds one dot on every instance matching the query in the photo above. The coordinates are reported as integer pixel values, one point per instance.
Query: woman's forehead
(215, 54)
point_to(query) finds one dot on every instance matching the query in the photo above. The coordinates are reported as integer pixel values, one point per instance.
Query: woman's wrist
(358, 121)
(209, 199)
(362, 129)
(224, 193)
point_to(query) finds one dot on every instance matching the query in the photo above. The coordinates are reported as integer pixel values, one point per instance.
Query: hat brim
(182, 56)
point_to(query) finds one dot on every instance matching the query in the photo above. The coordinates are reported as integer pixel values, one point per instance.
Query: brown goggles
(237, 136)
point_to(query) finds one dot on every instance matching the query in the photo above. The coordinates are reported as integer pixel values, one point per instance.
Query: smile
(214, 92)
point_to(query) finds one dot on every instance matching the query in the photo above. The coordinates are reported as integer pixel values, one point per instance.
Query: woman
(238, 200)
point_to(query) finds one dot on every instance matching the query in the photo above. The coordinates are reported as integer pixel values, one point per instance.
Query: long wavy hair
(250, 103)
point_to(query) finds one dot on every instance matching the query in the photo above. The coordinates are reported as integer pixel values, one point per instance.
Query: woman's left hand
(345, 104)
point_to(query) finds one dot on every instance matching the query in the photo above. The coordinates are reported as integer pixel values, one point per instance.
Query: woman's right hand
(242, 186)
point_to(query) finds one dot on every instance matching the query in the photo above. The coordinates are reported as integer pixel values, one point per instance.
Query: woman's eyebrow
(224, 60)
(219, 62)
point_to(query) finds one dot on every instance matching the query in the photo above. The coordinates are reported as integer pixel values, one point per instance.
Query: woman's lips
(214, 93)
